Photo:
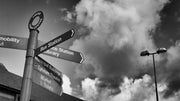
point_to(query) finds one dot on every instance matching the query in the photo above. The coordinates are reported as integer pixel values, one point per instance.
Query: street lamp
(146, 53)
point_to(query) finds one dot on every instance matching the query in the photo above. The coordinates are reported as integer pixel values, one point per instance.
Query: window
(6, 96)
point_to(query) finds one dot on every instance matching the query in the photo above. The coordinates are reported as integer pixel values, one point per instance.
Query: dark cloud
(167, 35)
(168, 71)
(168, 31)
(173, 87)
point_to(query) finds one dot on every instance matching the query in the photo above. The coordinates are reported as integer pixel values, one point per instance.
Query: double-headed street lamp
(146, 53)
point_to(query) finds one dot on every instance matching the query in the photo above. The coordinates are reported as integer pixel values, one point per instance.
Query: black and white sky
(110, 34)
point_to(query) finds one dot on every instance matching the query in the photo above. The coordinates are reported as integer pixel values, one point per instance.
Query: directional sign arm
(46, 82)
(13, 42)
(57, 75)
(69, 34)
(63, 53)
(66, 54)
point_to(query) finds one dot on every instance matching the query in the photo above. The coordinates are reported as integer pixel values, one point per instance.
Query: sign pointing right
(69, 34)
(66, 54)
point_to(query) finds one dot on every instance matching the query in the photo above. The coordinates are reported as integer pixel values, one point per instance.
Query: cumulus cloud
(69, 15)
(131, 90)
(66, 85)
(112, 34)
(118, 31)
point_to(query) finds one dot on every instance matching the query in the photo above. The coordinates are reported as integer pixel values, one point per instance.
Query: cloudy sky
(110, 34)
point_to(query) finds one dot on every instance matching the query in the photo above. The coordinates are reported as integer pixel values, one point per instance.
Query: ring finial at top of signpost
(41, 18)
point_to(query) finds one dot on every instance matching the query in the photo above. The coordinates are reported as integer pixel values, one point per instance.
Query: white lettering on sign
(58, 49)
(43, 48)
(9, 39)
(45, 79)
(54, 42)
(46, 85)
(65, 51)
(52, 53)
(43, 70)
(50, 67)
(54, 48)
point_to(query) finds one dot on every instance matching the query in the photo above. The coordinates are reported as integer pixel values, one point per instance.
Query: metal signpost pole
(32, 43)
(27, 77)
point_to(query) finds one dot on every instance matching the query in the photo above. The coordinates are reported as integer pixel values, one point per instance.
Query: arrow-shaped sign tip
(82, 58)
(73, 32)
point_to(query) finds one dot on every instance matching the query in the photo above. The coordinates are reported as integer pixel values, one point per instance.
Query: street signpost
(69, 34)
(36, 69)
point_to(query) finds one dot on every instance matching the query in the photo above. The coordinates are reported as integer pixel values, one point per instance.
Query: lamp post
(146, 53)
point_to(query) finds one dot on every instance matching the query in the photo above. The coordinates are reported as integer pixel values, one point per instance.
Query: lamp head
(144, 53)
(161, 50)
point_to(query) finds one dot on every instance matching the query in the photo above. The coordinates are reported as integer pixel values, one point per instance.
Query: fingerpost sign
(69, 34)
(36, 69)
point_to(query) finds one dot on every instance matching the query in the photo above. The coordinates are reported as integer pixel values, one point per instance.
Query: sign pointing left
(13, 42)
(69, 34)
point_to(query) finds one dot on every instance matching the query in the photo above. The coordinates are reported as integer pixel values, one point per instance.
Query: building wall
(10, 85)
(7, 95)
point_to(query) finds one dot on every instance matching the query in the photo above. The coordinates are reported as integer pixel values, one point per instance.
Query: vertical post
(27, 76)
(30, 54)
(157, 99)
